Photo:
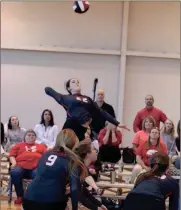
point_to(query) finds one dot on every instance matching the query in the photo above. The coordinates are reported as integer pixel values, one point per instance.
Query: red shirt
(145, 153)
(27, 155)
(139, 137)
(142, 136)
(157, 114)
(102, 134)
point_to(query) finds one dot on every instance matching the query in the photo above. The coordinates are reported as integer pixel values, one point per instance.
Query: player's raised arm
(57, 96)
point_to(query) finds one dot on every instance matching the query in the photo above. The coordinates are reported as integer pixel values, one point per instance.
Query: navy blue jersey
(80, 107)
(76, 127)
(51, 179)
(162, 188)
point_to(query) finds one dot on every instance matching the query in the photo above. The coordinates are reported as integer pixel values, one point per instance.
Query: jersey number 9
(51, 160)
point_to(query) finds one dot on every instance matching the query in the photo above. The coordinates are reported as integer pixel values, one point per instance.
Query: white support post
(122, 73)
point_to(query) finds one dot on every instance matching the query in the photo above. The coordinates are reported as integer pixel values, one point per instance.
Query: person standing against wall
(149, 110)
(99, 125)
(2, 134)
(14, 133)
(46, 130)
(177, 140)
(2, 138)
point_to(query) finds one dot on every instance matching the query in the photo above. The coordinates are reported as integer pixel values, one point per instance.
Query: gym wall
(47, 43)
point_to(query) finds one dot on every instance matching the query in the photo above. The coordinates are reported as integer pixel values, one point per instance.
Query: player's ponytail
(66, 141)
(67, 86)
(146, 175)
(76, 162)
(159, 162)
(83, 149)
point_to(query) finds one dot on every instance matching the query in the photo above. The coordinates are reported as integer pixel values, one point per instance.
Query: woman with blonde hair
(168, 135)
(56, 169)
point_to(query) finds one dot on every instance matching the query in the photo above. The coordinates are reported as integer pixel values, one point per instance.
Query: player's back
(50, 182)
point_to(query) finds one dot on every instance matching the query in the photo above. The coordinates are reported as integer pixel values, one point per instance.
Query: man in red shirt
(149, 110)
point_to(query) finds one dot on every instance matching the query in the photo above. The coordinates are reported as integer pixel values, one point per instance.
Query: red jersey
(102, 134)
(157, 115)
(27, 155)
(145, 153)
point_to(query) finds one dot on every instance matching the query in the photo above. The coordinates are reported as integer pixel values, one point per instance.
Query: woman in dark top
(56, 169)
(88, 154)
(152, 188)
(81, 110)
(2, 139)
(177, 140)
(2, 134)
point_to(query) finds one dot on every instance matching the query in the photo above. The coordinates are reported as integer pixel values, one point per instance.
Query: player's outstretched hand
(124, 127)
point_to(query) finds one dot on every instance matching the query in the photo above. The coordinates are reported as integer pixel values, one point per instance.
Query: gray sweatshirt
(170, 143)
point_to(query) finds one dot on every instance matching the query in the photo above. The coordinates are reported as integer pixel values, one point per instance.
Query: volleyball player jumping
(81, 110)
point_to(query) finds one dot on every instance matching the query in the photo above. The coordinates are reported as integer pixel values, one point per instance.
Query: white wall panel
(24, 75)
(159, 77)
(154, 27)
(55, 24)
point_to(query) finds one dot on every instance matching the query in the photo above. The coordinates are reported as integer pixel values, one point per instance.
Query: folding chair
(5, 165)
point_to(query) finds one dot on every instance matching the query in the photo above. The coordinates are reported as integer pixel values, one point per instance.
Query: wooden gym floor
(5, 206)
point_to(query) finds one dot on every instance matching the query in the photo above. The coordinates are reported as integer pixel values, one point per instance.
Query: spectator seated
(24, 158)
